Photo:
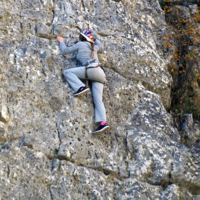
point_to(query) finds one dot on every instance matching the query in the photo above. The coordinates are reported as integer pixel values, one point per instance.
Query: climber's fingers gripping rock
(60, 39)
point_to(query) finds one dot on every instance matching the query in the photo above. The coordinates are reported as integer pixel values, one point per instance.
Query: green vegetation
(56, 151)
(183, 39)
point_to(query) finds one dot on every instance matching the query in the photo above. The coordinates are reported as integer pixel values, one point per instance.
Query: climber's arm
(98, 44)
(64, 48)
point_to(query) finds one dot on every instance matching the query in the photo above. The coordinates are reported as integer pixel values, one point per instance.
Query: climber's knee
(66, 72)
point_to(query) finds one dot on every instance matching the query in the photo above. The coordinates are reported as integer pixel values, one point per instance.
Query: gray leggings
(72, 75)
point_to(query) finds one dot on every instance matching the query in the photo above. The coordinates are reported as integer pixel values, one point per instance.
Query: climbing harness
(88, 62)
(86, 68)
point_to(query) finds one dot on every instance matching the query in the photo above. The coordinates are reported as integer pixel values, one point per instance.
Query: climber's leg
(72, 76)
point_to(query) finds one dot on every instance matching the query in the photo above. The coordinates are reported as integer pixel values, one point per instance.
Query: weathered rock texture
(47, 148)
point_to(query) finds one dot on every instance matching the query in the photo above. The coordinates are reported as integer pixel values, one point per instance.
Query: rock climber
(86, 49)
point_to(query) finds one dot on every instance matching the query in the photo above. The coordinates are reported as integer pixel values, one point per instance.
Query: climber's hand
(60, 39)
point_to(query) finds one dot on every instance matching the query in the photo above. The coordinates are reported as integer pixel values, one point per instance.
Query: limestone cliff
(47, 149)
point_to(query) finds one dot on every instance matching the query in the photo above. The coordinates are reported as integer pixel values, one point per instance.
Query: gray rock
(2, 133)
(133, 189)
(42, 30)
(185, 171)
(3, 115)
(172, 192)
(196, 197)
(189, 129)
(194, 9)
(47, 148)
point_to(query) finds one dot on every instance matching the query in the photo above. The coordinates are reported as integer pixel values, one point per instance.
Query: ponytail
(83, 39)
(92, 52)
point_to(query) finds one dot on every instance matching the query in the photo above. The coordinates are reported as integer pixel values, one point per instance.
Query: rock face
(47, 148)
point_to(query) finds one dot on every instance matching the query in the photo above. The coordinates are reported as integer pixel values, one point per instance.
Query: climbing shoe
(82, 90)
(102, 129)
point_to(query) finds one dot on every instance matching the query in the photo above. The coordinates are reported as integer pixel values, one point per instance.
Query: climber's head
(87, 36)
(90, 37)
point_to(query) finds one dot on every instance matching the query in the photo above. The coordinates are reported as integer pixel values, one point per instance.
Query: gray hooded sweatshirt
(83, 50)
